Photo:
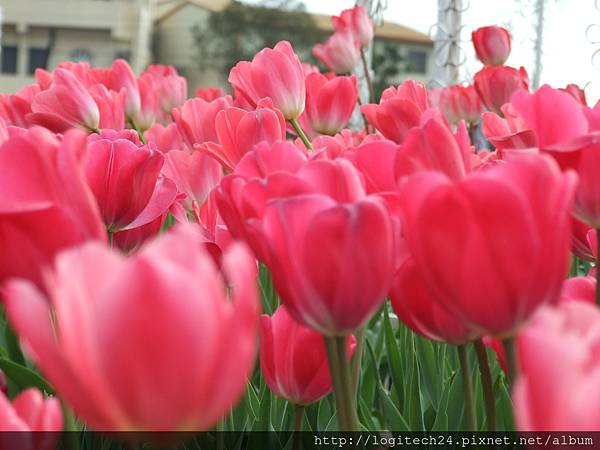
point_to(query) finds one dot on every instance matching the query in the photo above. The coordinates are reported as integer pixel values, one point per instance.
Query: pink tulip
(579, 289)
(210, 93)
(238, 131)
(124, 178)
(508, 132)
(357, 22)
(330, 102)
(45, 204)
(122, 77)
(149, 103)
(340, 53)
(14, 108)
(558, 358)
(399, 110)
(496, 85)
(196, 119)
(171, 88)
(164, 138)
(460, 103)
(275, 73)
(576, 92)
(581, 240)
(495, 246)
(293, 359)
(66, 104)
(118, 336)
(492, 45)
(111, 106)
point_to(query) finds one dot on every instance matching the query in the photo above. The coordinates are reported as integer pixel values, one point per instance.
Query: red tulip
(124, 178)
(460, 103)
(581, 240)
(328, 270)
(558, 355)
(580, 289)
(275, 73)
(330, 102)
(118, 336)
(45, 204)
(66, 104)
(340, 53)
(494, 246)
(209, 94)
(421, 311)
(399, 110)
(238, 131)
(496, 85)
(492, 45)
(196, 119)
(357, 22)
(293, 359)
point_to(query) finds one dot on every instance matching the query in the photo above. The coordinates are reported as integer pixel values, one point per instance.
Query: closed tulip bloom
(210, 93)
(124, 178)
(496, 85)
(122, 77)
(293, 359)
(357, 21)
(111, 106)
(14, 108)
(460, 103)
(132, 344)
(196, 119)
(45, 204)
(559, 359)
(330, 103)
(328, 270)
(399, 110)
(171, 88)
(275, 73)
(65, 104)
(420, 310)
(492, 45)
(494, 246)
(340, 53)
(579, 289)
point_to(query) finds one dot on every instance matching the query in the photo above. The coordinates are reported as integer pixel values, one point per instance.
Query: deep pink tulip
(293, 359)
(340, 53)
(318, 252)
(65, 104)
(124, 178)
(111, 106)
(14, 108)
(238, 131)
(150, 111)
(164, 138)
(421, 311)
(508, 132)
(581, 240)
(494, 246)
(576, 92)
(122, 77)
(275, 73)
(559, 357)
(196, 119)
(492, 45)
(399, 110)
(330, 102)
(118, 336)
(171, 88)
(496, 85)
(210, 93)
(579, 289)
(45, 204)
(460, 103)
(357, 21)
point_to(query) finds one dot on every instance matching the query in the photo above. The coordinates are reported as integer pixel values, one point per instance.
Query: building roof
(388, 30)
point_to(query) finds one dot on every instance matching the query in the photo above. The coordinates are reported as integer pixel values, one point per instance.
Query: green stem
(139, 132)
(95, 130)
(298, 421)
(574, 271)
(367, 76)
(511, 358)
(465, 373)
(598, 266)
(357, 359)
(70, 427)
(486, 384)
(341, 379)
(110, 238)
(301, 133)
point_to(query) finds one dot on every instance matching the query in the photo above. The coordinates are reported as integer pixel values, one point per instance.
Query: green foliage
(388, 65)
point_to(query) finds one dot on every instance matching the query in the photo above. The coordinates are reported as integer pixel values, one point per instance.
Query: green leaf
(398, 376)
(23, 376)
(430, 375)
(414, 409)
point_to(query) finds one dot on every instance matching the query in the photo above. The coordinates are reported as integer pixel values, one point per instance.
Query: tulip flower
(492, 45)
(580, 289)
(496, 85)
(399, 110)
(164, 138)
(124, 178)
(132, 344)
(559, 361)
(238, 131)
(14, 108)
(171, 88)
(318, 252)
(357, 22)
(460, 103)
(210, 93)
(38, 421)
(275, 73)
(45, 204)
(293, 359)
(111, 106)
(576, 92)
(508, 132)
(581, 240)
(149, 103)
(122, 77)
(330, 102)
(494, 246)
(196, 119)
(340, 53)
(66, 104)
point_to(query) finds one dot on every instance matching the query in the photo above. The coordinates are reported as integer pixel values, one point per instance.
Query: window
(417, 61)
(38, 59)
(9, 59)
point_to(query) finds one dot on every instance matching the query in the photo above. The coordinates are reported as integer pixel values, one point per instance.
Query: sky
(567, 51)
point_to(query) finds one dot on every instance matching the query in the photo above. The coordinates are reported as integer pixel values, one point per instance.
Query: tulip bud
(357, 21)
(340, 53)
(492, 45)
